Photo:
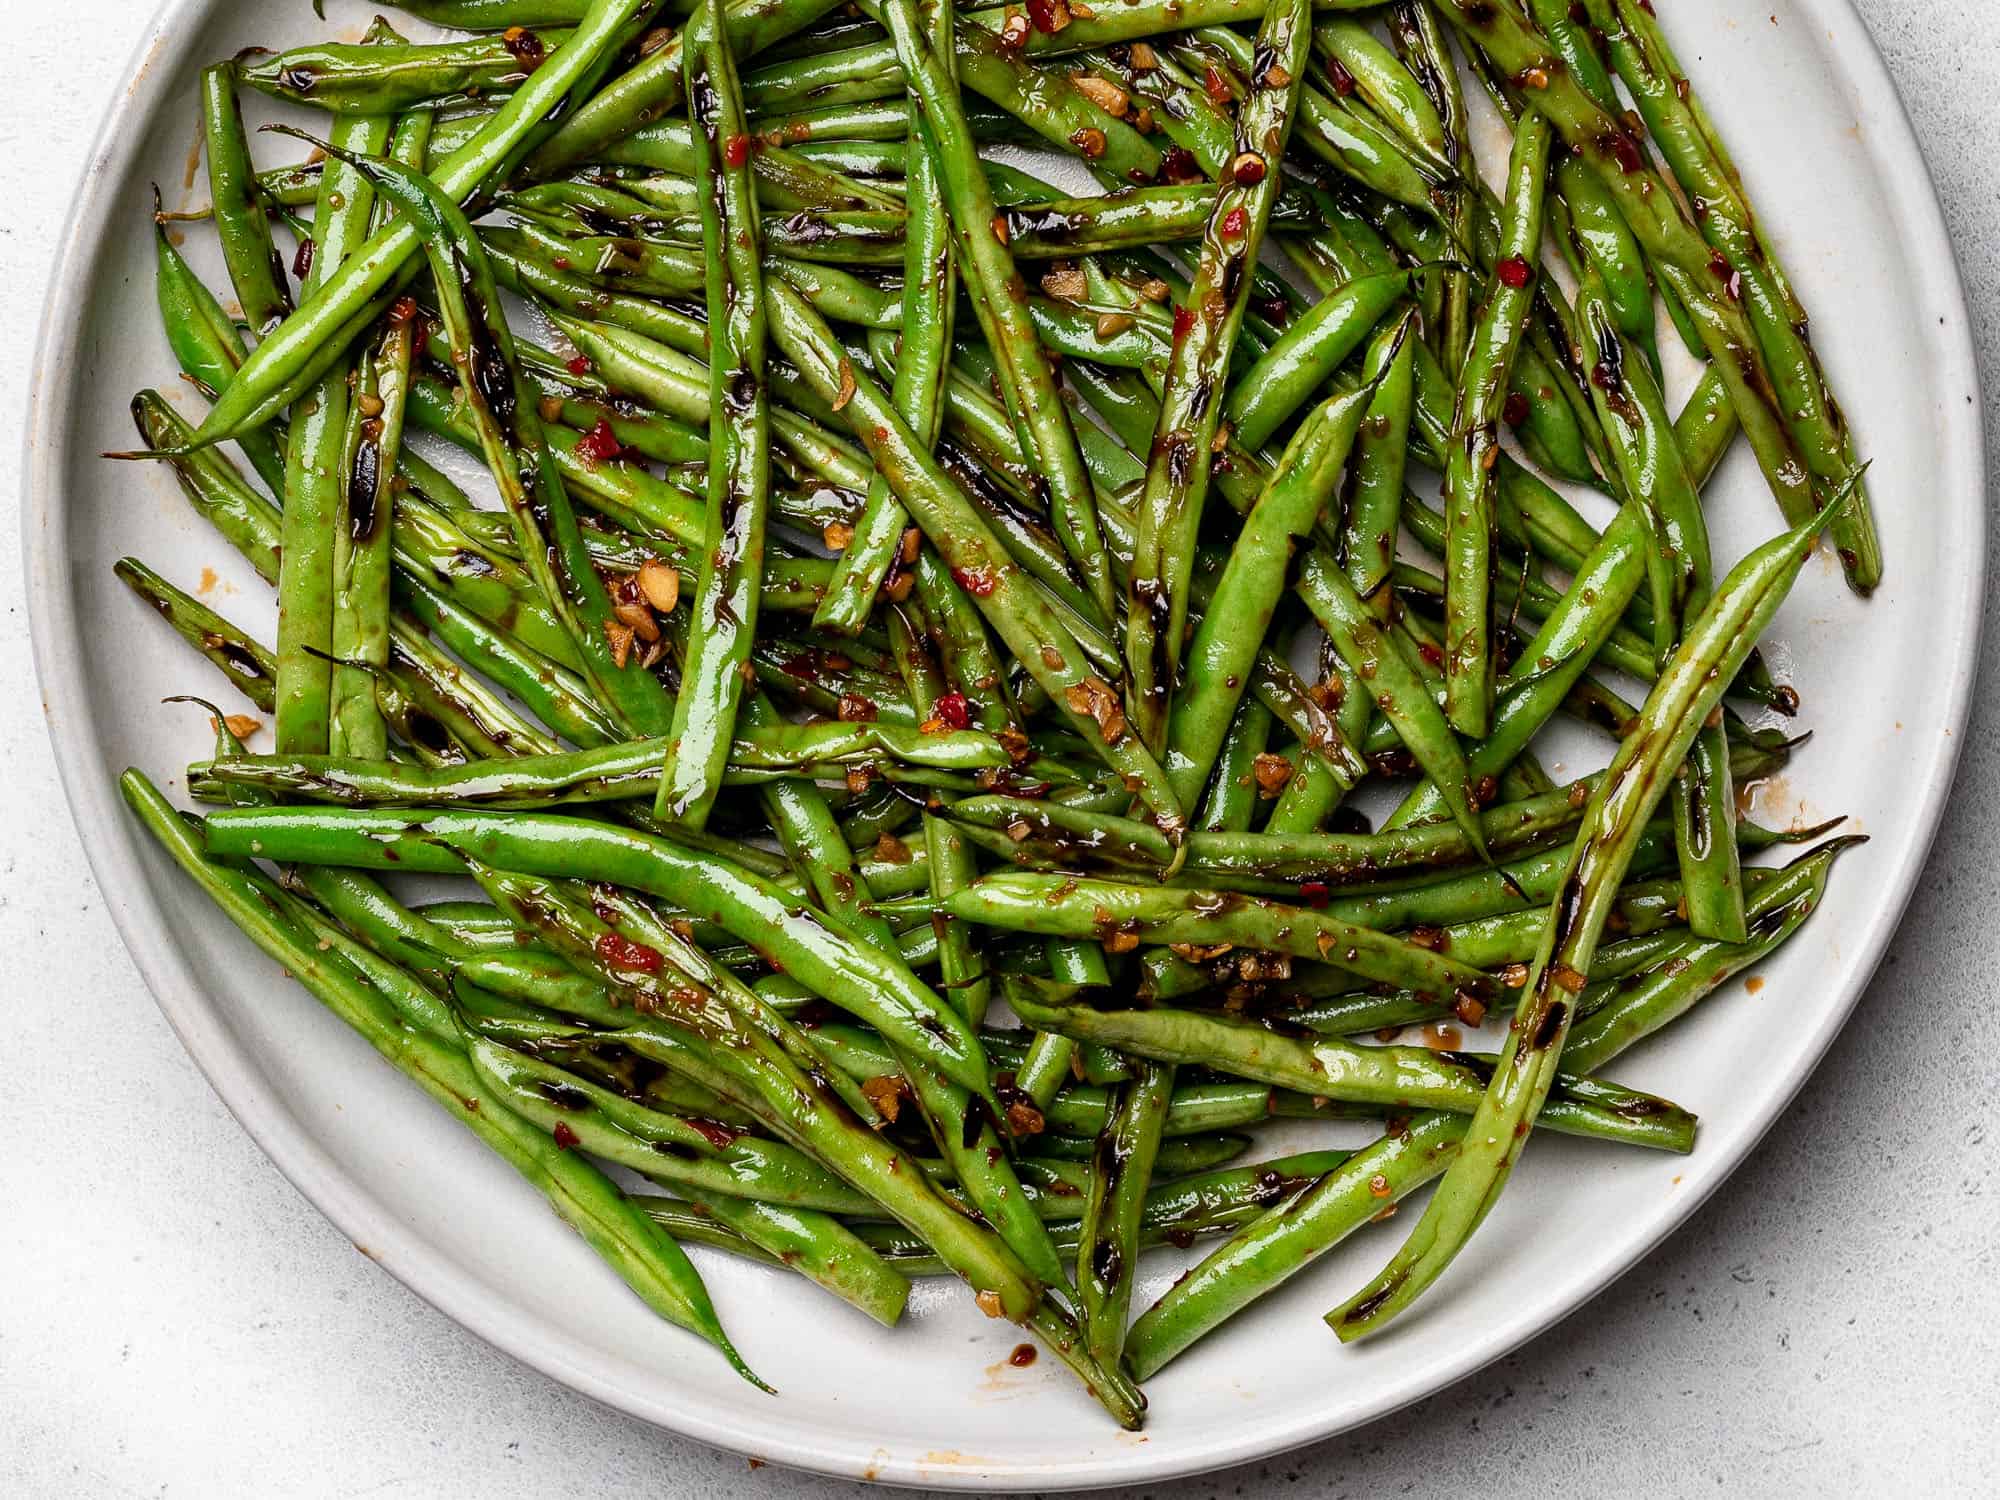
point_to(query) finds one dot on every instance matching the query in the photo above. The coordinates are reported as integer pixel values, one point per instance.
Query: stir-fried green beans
(971, 860)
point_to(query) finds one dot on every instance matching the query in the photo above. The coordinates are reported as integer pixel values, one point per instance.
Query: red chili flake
(577, 364)
(978, 582)
(527, 48)
(1516, 410)
(565, 1137)
(1514, 272)
(1183, 322)
(620, 952)
(1042, 15)
(401, 311)
(1626, 151)
(302, 260)
(955, 710)
(1234, 223)
(1315, 893)
(803, 667)
(1343, 81)
(600, 444)
(1217, 86)
(1177, 164)
(736, 151)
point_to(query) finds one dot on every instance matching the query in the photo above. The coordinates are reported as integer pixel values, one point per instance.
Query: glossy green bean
(1469, 497)
(1169, 507)
(296, 351)
(732, 557)
(1716, 644)
(651, 1264)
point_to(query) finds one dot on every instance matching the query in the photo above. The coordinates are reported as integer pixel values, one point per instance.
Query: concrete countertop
(175, 1319)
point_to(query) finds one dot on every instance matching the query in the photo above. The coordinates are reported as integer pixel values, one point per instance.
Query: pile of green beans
(940, 745)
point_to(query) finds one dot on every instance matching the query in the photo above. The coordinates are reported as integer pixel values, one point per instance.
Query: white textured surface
(173, 1318)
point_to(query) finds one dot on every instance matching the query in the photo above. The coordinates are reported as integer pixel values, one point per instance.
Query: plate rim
(115, 858)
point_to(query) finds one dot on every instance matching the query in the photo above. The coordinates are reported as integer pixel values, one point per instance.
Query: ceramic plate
(1831, 163)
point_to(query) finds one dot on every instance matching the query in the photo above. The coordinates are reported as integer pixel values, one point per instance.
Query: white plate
(1830, 160)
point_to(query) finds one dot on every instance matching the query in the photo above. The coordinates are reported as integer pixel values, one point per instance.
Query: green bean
(1643, 1003)
(970, 1141)
(1274, 1246)
(1380, 660)
(1307, 353)
(505, 414)
(1425, 53)
(818, 1247)
(806, 944)
(1352, 145)
(1245, 598)
(1607, 245)
(256, 271)
(1716, 644)
(1267, 1252)
(1009, 604)
(1376, 78)
(527, 275)
(1373, 491)
(1187, 1153)
(1049, 835)
(252, 668)
(1128, 914)
(706, 1042)
(1048, 103)
(1233, 788)
(1174, 1213)
(962, 970)
(1027, 381)
(732, 558)
(1113, 1209)
(296, 351)
(651, 1264)
(1469, 499)
(359, 78)
(364, 530)
(206, 343)
(679, 1153)
(1195, 1109)
(558, 697)
(628, 959)
(1693, 149)
(315, 470)
(1553, 660)
(1394, 1078)
(653, 86)
(1706, 426)
(1205, 329)
(929, 298)
(1680, 255)
(1649, 454)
